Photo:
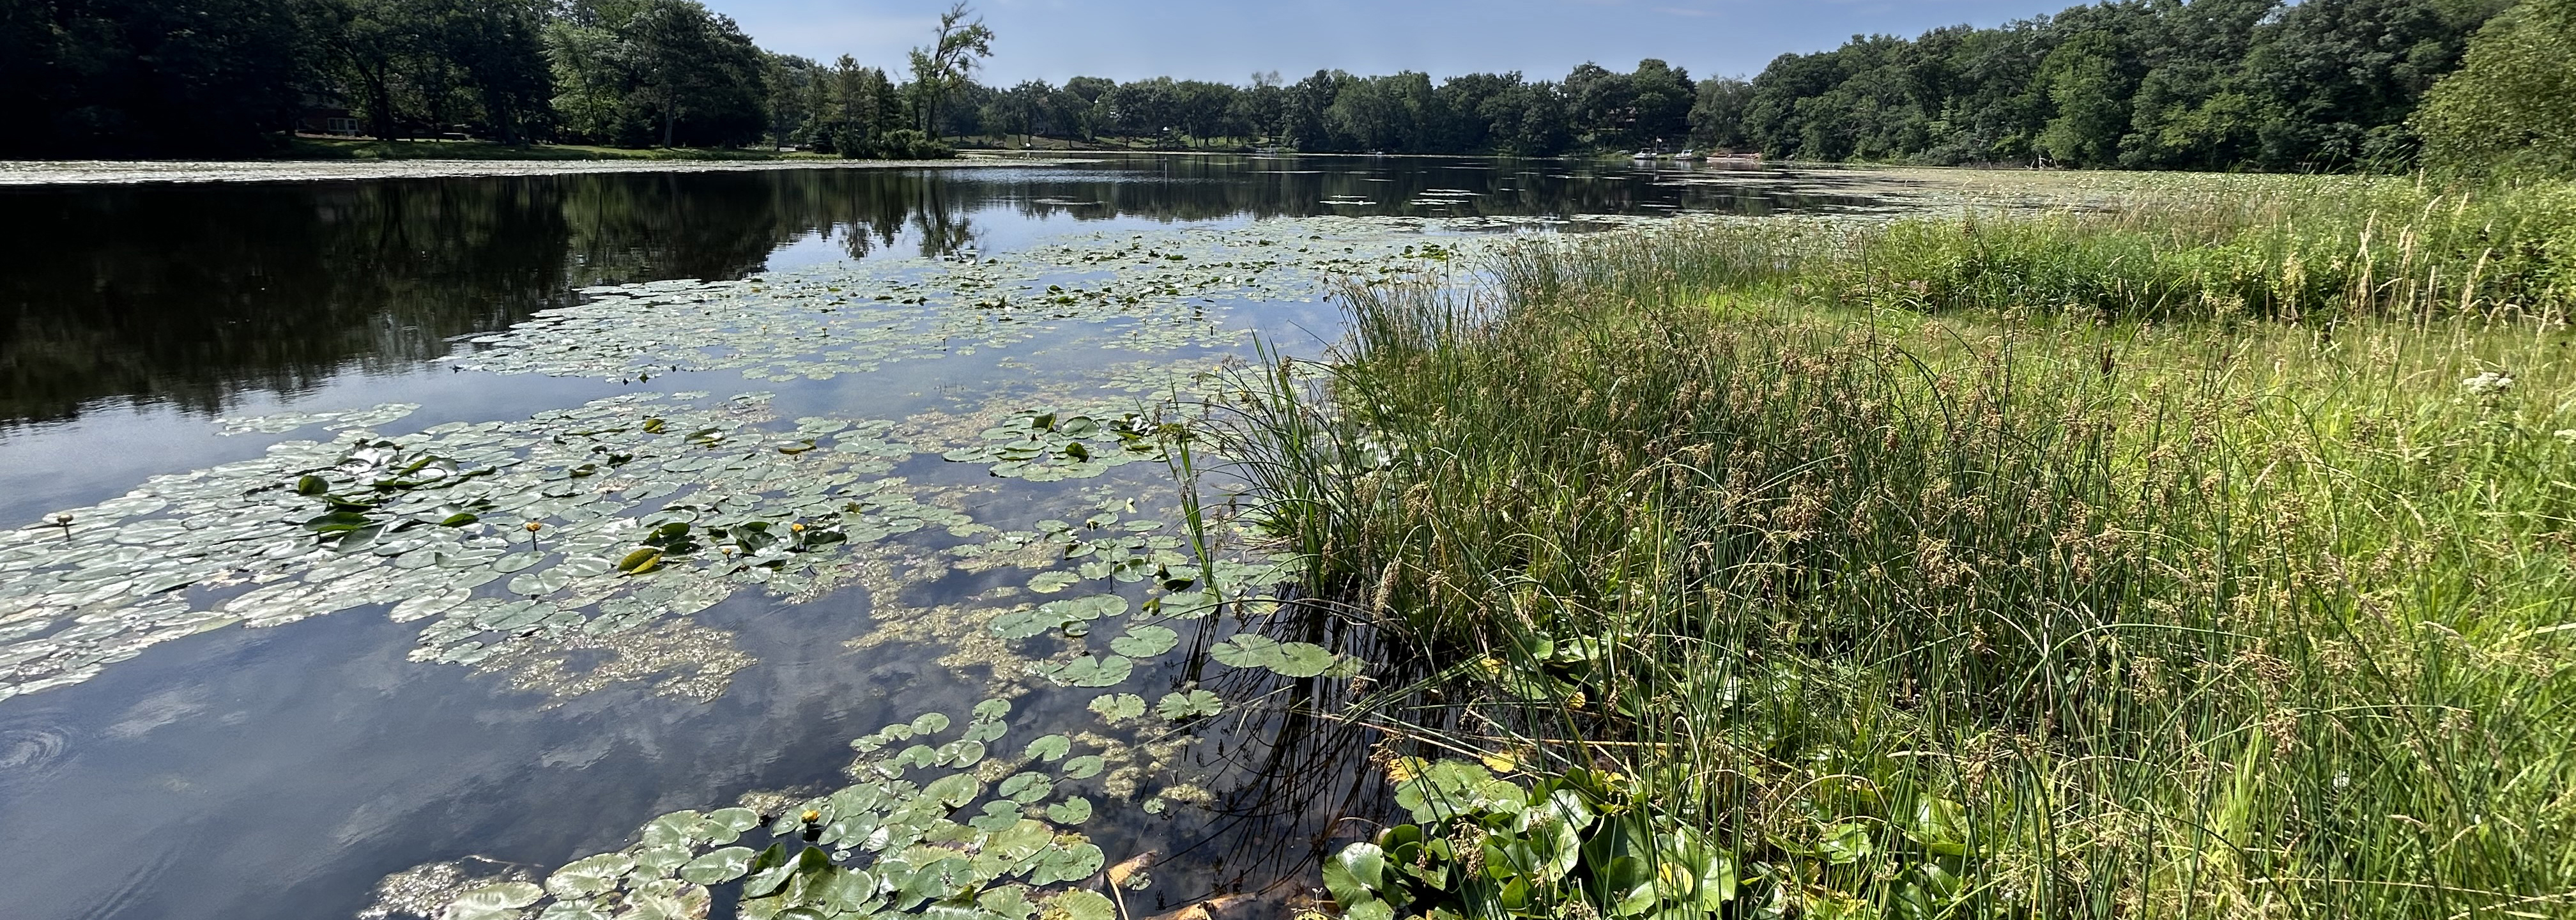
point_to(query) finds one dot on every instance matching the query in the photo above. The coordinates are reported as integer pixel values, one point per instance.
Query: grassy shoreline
(2211, 557)
(318, 148)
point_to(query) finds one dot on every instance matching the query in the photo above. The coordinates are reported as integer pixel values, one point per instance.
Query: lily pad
(590, 876)
(1145, 641)
(1188, 705)
(1049, 748)
(1118, 707)
(1070, 812)
(720, 866)
(1084, 904)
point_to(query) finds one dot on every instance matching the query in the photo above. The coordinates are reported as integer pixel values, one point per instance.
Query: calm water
(282, 772)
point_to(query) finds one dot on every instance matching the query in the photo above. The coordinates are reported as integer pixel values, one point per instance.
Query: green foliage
(1483, 847)
(909, 144)
(2312, 249)
(1914, 598)
(661, 72)
(2212, 84)
(134, 79)
(944, 66)
(419, 68)
(2512, 105)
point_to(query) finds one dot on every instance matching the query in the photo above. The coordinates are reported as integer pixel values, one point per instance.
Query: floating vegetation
(1152, 291)
(283, 422)
(429, 890)
(1045, 445)
(1288, 659)
(595, 519)
(917, 829)
(565, 554)
(678, 658)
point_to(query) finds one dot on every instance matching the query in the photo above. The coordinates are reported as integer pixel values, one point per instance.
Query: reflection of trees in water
(184, 295)
(1210, 187)
(190, 294)
(187, 295)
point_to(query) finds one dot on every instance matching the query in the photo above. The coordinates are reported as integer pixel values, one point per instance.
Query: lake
(377, 543)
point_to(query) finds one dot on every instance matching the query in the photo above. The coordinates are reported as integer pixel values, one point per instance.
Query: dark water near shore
(281, 772)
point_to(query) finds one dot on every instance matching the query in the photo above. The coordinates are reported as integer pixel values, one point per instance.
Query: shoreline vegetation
(2211, 85)
(28, 173)
(2203, 555)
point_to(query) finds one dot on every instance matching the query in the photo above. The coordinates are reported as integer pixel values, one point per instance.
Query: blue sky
(1229, 41)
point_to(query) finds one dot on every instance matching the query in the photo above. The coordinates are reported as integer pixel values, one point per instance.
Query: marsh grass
(2309, 249)
(1993, 566)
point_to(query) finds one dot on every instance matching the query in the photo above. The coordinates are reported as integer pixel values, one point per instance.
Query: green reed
(1988, 606)
(2284, 248)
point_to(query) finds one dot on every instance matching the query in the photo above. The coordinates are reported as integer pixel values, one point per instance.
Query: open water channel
(852, 525)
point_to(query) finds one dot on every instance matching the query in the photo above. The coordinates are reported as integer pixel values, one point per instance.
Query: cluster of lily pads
(593, 519)
(283, 422)
(958, 824)
(955, 827)
(1106, 550)
(1151, 291)
(1569, 845)
(601, 526)
(1045, 444)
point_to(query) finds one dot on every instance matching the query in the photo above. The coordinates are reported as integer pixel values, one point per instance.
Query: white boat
(1687, 155)
(1642, 155)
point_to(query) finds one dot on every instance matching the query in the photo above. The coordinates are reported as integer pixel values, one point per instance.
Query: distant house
(326, 113)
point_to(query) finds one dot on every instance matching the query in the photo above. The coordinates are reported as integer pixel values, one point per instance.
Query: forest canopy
(2140, 84)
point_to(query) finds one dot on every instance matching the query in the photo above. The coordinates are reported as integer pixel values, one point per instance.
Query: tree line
(233, 77)
(2145, 84)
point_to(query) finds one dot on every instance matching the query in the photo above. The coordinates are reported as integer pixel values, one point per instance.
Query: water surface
(284, 771)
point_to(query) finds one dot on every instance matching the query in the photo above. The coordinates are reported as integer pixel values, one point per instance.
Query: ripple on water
(28, 751)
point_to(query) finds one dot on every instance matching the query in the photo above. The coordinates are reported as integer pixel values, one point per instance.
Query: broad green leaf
(1118, 707)
(954, 790)
(1070, 811)
(735, 819)
(593, 875)
(1940, 825)
(1049, 748)
(768, 871)
(1025, 788)
(1189, 705)
(1145, 641)
(1246, 650)
(679, 827)
(719, 867)
(1301, 659)
(1019, 841)
(1084, 904)
(1356, 874)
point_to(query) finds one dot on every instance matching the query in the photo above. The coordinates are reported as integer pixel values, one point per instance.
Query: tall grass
(1962, 610)
(2295, 249)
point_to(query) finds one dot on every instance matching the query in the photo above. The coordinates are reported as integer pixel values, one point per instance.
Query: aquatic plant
(1960, 607)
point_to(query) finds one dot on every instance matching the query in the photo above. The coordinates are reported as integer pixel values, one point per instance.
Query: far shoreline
(58, 173)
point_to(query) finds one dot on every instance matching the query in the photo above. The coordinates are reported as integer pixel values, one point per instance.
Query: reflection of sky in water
(280, 772)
